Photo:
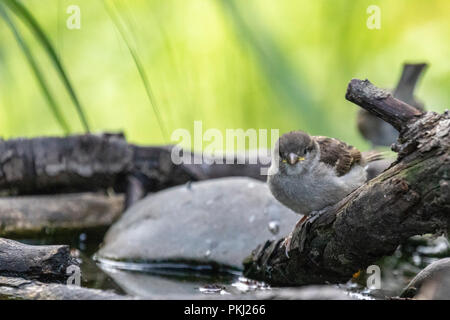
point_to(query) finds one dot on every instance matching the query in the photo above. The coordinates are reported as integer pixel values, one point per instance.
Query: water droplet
(416, 259)
(83, 237)
(207, 253)
(212, 288)
(274, 227)
(244, 285)
(251, 219)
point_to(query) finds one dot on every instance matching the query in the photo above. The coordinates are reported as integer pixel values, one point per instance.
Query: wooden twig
(412, 197)
(381, 103)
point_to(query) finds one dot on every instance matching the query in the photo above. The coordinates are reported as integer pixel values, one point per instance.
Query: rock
(214, 222)
(431, 272)
(32, 216)
(22, 289)
(437, 287)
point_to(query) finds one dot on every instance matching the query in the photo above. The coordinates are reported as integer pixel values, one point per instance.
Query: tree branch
(381, 103)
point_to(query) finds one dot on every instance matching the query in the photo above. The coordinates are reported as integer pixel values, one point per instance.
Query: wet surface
(162, 280)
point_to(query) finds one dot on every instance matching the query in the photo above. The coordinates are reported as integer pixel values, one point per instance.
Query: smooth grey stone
(217, 221)
(436, 288)
(433, 270)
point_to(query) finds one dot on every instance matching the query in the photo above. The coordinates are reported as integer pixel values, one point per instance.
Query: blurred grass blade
(148, 89)
(23, 13)
(37, 72)
(277, 69)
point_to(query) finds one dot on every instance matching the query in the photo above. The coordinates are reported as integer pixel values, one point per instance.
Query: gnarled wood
(46, 263)
(381, 103)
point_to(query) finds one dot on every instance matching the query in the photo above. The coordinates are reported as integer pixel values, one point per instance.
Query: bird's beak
(293, 158)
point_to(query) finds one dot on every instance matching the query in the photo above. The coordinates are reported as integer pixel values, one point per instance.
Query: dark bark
(412, 197)
(97, 162)
(381, 103)
(46, 263)
(52, 165)
(379, 132)
(23, 289)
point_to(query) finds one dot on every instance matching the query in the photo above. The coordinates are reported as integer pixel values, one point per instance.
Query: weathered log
(381, 103)
(46, 263)
(30, 216)
(49, 165)
(24, 289)
(412, 197)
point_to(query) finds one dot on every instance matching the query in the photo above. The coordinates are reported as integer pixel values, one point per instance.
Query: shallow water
(166, 281)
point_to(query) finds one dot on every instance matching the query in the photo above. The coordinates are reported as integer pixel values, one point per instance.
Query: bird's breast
(314, 190)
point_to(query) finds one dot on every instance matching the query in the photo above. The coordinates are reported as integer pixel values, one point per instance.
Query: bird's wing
(338, 154)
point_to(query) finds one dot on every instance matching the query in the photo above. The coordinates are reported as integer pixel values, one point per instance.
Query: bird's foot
(287, 244)
(287, 241)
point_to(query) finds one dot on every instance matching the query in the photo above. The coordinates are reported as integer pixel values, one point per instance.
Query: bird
(377, 131)
(311, 173)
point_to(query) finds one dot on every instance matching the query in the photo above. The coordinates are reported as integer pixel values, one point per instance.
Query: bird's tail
(373, 155)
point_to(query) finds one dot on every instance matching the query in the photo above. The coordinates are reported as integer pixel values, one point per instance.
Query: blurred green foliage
(231, 63)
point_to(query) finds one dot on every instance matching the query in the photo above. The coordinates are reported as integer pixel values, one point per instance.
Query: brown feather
(338, 154)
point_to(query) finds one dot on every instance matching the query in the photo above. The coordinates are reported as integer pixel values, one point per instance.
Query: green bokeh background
(259, 64)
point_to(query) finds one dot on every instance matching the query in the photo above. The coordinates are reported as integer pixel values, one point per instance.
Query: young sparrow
(310, 173)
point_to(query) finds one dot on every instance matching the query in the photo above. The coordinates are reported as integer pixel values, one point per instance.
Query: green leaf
(143, 75)
(23, 13)
(37, 72)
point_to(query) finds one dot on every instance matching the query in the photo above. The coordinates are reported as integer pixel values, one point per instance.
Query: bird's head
(295, 149)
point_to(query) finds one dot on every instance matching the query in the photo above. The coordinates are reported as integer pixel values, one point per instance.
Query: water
(172, 281)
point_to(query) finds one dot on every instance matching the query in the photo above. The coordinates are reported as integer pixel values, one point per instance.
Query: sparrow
(376, 130)
(310, 173)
